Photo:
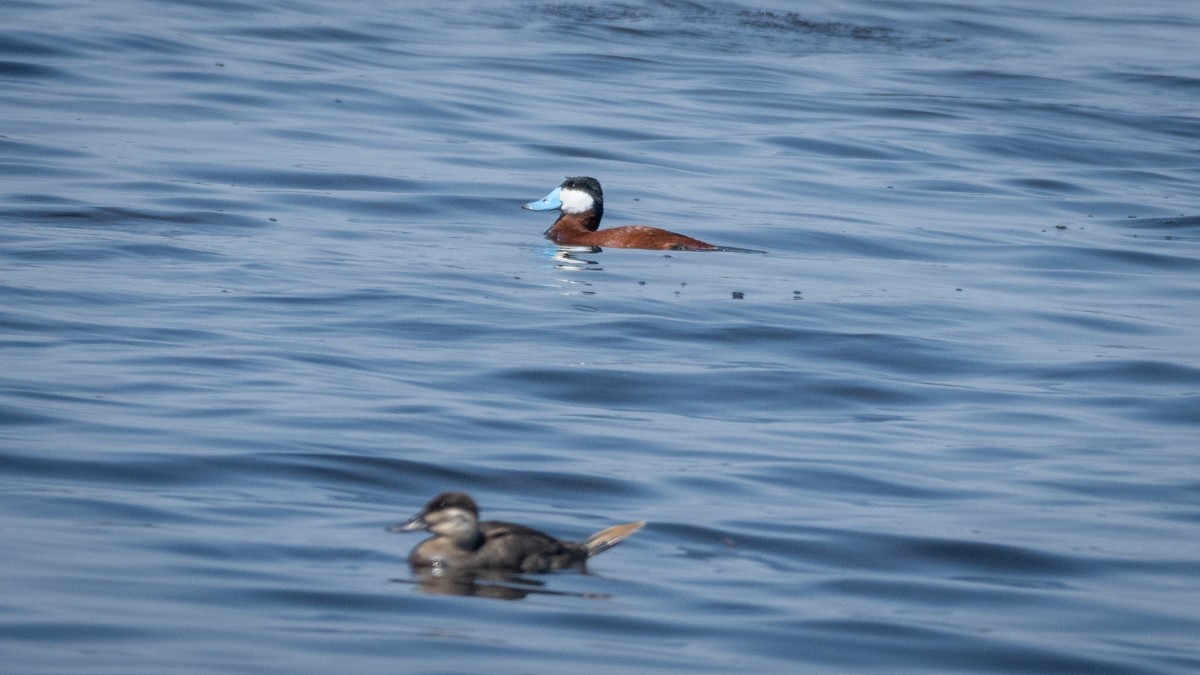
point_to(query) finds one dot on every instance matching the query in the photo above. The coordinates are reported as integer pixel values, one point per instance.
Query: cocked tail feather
(609, 537)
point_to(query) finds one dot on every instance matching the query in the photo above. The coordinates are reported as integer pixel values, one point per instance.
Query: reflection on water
(483, 584)
(567, 258)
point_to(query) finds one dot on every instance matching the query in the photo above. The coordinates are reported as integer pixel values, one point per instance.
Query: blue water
(265, 288)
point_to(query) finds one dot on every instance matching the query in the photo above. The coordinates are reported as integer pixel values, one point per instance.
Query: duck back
(512, 546)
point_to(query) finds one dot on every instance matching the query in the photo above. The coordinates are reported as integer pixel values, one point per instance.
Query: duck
(461, 542)
(580, 202)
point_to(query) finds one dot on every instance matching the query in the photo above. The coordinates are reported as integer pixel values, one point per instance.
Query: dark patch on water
(729, 27)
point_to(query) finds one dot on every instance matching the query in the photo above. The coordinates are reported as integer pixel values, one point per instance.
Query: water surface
(267, 288)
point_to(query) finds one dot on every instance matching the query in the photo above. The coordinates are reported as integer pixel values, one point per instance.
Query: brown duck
(461, 541)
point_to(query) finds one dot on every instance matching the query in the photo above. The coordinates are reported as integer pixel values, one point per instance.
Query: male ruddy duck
(462, 542)
(581, 203)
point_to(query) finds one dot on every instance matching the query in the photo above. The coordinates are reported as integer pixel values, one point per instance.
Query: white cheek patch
(575, 201)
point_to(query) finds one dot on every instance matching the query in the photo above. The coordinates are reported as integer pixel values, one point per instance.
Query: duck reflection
(484, 584)
(570, 258)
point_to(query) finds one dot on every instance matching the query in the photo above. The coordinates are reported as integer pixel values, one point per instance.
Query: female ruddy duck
(581, 203)
(462, 542)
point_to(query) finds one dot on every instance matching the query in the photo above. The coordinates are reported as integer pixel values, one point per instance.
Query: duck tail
(609, 537)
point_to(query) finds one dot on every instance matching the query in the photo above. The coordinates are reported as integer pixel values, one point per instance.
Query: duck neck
(574, 223)
(469, 541)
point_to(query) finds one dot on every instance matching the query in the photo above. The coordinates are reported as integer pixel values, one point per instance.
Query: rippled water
(266, 289)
